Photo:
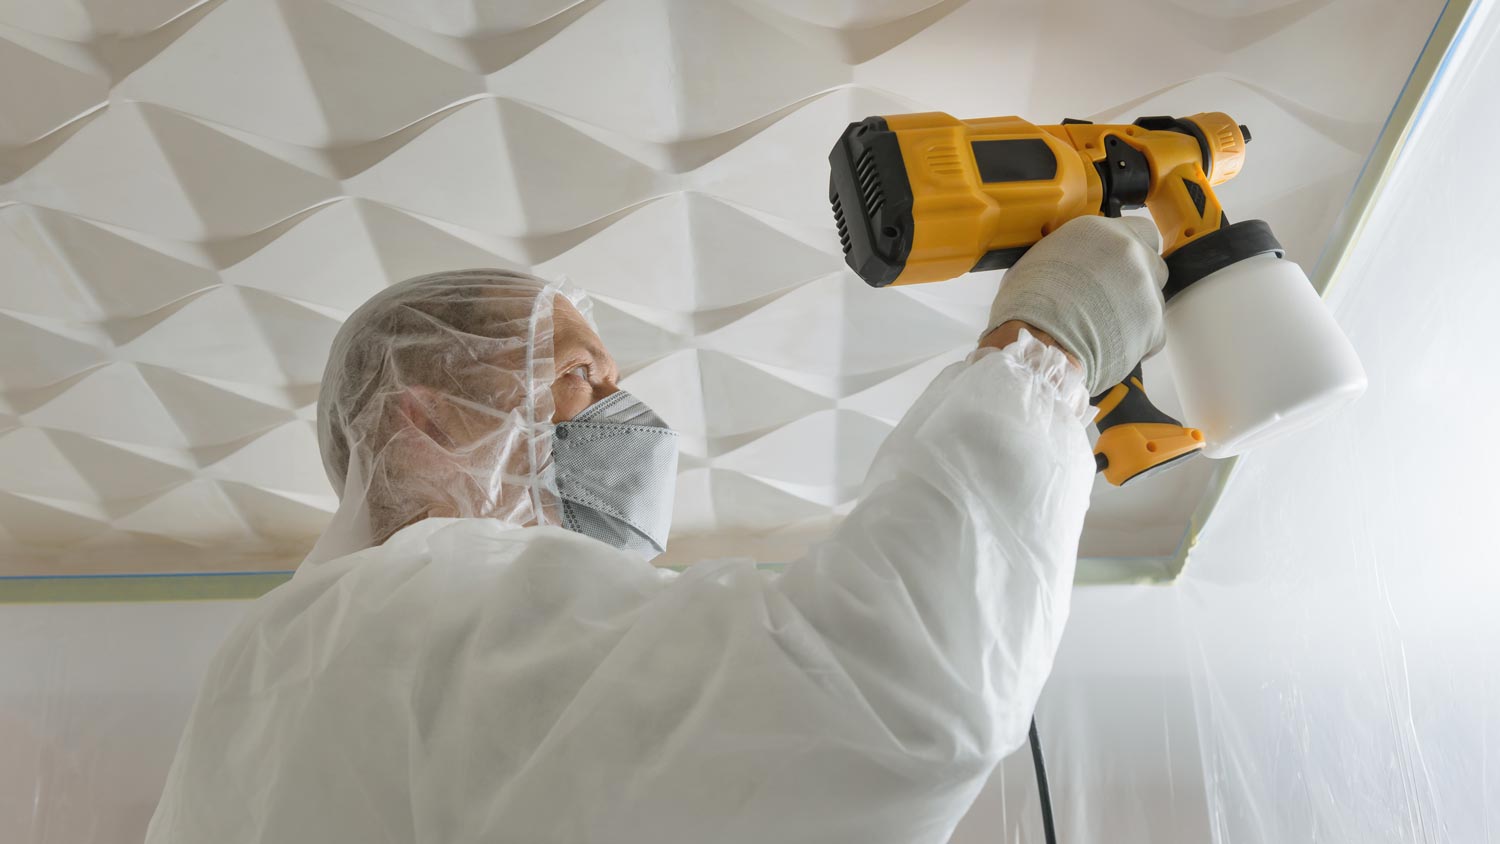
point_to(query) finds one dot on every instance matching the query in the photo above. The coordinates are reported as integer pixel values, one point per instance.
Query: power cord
(1043, 793)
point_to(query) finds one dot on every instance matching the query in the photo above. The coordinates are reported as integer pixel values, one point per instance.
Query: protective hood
(437, 402)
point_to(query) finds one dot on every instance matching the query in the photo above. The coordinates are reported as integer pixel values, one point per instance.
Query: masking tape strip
(139, 587)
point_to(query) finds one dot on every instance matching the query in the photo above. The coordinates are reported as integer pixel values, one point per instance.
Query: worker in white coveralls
(479, 650)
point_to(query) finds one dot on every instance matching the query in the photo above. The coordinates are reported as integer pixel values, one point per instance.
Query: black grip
(1213, 252)
(1134, 406)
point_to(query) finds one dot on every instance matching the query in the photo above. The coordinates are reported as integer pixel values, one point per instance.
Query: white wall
(92, 699)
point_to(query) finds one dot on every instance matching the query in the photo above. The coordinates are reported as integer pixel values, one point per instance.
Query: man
(479, 650)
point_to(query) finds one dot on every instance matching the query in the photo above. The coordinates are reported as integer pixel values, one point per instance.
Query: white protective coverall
(474, 680)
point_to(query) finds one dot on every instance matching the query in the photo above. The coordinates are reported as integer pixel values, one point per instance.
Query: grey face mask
(616, 468)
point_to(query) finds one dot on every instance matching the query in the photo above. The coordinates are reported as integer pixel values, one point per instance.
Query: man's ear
(419, 405)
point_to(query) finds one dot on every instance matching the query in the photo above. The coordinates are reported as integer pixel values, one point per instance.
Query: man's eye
(581, 372)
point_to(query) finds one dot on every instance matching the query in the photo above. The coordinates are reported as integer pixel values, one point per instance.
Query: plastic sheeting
(1326, 668)
(1342, 627)
(92, 700)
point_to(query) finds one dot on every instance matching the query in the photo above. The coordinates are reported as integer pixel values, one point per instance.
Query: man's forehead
(486, 311)
(572, 330)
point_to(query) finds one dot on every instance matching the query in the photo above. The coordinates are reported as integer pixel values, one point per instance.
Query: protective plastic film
(1325, 669)
(1341, 621)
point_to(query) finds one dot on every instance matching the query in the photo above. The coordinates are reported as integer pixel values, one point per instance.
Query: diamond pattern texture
(193, 195)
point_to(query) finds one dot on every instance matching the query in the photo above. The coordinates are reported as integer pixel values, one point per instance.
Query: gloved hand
(1095, 286)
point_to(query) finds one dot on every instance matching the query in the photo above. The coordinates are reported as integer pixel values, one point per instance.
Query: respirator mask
(616, 470)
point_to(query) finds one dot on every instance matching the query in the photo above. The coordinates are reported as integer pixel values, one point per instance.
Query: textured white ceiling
(193, 195)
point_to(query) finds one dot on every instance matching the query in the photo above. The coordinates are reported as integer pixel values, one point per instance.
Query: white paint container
(1256, 355)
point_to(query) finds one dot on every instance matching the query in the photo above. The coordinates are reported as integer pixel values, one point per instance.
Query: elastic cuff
(1051, 367)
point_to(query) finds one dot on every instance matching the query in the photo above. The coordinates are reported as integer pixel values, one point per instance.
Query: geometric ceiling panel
(111, 169)
(37, 353)
(268, 461)
(832, 475)
(210, 413)
(824, 328)
(197, 513)
(194, 195)
(304, 73)
(112, 402)
(718, 402)
(504, 167)
(709, 258)
(663, 70)
(476, 19)
(800, 190)
(71, 92)
(74, 267)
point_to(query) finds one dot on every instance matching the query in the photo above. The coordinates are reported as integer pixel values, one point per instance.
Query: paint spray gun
(1253, 351)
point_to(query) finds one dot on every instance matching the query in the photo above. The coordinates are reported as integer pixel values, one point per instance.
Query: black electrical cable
(1043, 793)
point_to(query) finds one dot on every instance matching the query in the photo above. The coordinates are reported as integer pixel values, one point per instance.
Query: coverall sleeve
(943, 594)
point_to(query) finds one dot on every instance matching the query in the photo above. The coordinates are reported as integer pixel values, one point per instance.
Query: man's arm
(944, 593)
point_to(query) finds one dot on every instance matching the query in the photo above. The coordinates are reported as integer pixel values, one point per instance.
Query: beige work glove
(1095, 286)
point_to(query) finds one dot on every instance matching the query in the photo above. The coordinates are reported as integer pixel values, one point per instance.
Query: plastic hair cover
(437, 403)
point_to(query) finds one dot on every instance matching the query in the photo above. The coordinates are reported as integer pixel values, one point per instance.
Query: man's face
(585, 371)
